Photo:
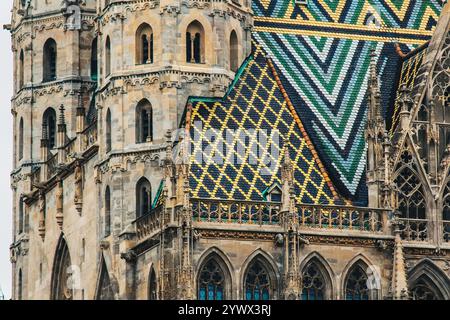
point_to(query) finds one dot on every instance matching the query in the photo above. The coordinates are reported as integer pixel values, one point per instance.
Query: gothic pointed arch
(214, 280)
(260, 277)
(143, 197)
(234, 51)
(107, 228)
(20, 285)
(317, 278)
(427, 282)
(105, 289)
(440, 93)
(107, 56)
(152, 290)
(144, 121)
(49, 60)
(108, 130)
(409, 188)
(144, 44)
(361, 280)
(49, 125)
(21, 69)
(21, 140)
(62, 283)
(94, 60)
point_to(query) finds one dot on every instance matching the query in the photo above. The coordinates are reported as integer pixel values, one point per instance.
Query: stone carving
(72, 12)
(78, 198)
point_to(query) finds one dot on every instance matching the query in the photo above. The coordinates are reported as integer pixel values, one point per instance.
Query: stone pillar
(291, 233)
(80, 125)
(399, 284)
(61, 136)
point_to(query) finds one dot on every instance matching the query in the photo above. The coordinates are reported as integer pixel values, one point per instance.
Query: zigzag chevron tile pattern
(326, 76)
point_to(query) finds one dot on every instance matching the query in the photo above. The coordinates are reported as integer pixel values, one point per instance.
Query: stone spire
(375, 135)
(291, 233)
(62, 135)
(399, 285)
(375, 112)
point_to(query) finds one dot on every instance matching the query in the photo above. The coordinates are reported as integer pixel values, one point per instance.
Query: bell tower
(51, 44)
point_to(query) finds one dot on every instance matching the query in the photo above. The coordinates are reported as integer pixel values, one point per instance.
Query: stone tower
(96, 86)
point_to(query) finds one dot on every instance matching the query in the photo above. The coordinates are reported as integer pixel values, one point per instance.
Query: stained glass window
(211, 282)
(257, 282)
(356, 284)
(313, 283)
(421, 291)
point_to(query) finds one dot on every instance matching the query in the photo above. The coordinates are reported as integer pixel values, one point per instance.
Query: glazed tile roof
(321, 53)
(410, 72)
(255, 101)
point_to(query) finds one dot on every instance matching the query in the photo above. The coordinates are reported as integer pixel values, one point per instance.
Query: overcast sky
(6, 146)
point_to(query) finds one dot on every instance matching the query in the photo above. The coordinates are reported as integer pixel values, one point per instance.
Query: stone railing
(414, 229)
(52, 165)
(243, 212)
(310, 216)
(70, 147)
(446, 231)
(342, 218)
(90, 136)
(149, 224)
(36, 176)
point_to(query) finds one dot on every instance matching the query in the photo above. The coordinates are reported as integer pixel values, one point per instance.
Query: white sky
(6, 138)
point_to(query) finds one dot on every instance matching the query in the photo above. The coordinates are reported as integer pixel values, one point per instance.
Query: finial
(62, 119)
(373, 66)
(287, 157)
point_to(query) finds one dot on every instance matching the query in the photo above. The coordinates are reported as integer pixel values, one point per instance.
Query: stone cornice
(118, 84)
(48, 21)
(119, 161)
(31, 91)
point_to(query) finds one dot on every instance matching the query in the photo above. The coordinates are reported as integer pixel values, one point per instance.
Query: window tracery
(313, 282)
(211, 282)
(257, 282)
(356, 284)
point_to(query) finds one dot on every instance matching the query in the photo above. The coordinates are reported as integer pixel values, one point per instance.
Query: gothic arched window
(144, 121)
(356, 284)
(107, 56)
(421, 290)
(21, 215)
(20, 142)
(20, 286)
(21, 69)
(411, 200)
(62, 277)
(50, 60)
(211, 281)
(313, 282)
(234, 51)
(144, 44)
(257, 283)
(94, 60)
(49, 125)
(195, 43)
(105, 288)
(152, 285)
(107, 212)
(108, 131)
(143, 197)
